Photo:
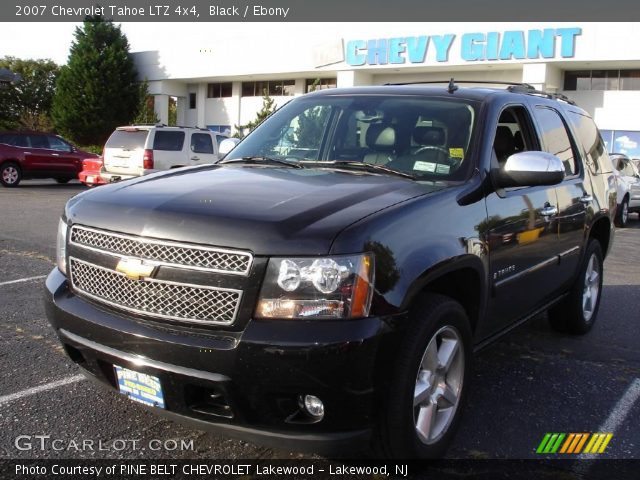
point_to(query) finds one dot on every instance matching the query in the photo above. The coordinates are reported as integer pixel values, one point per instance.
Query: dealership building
(218, 82)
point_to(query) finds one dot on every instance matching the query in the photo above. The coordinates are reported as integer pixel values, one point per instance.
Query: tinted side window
(21, 141)
(219, 139)
(169, 141)
(555, 138)
(56, 143)
(8, 139)
(597, 156)
(201, 143)
(38, 141)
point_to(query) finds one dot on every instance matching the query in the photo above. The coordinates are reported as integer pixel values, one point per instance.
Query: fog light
(313, 406)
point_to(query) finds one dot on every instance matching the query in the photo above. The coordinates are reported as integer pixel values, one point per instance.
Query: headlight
(61, 247)
(327, 287)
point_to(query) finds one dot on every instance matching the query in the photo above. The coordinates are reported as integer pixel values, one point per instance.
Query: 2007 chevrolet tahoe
(328, 282)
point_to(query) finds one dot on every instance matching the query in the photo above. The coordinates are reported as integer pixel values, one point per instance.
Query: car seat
(381, 139)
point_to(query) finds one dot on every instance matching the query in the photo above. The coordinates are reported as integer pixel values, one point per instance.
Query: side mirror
(227, 145)
(529, 169)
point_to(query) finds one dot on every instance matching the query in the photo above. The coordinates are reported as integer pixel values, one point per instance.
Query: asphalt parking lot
(531, 382)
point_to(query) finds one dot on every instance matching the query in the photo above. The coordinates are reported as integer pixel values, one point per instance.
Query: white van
(141, 149)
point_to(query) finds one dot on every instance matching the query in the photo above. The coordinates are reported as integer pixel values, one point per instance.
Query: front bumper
(246, 383)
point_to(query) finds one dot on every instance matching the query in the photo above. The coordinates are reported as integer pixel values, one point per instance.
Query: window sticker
(440, 168)
(424, 166)
(456, 152)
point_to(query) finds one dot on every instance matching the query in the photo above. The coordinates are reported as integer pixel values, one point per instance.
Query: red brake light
(147, 159)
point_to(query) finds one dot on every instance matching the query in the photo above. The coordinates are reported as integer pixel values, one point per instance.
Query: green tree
(26, 104)
(146, 110)
(268, 107)
(97, 89)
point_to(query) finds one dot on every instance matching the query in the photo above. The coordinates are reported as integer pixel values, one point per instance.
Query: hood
(269, 211)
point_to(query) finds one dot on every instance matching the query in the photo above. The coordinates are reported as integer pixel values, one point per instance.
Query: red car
(25, 155)
(90, 174)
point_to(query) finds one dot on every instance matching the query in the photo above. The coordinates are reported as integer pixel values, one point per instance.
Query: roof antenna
(452, 86)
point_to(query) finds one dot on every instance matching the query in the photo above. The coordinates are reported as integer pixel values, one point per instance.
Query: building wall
(611, 109)
(303, 51)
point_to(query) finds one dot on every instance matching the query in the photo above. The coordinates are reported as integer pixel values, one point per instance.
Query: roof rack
(452, 82)
(530, 90)
(165, 125)
(515, 87)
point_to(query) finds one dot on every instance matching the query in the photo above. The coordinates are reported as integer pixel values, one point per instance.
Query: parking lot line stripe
(20, 280)
(619, 412)
(40, 388)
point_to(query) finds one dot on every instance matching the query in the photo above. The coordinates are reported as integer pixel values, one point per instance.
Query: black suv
(328, 282)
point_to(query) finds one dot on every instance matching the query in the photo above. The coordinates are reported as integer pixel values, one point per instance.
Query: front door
(521, 232)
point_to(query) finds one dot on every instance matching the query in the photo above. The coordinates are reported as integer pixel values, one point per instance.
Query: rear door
(124, 150)
(574, 193)
(170, 149)
(203, 148)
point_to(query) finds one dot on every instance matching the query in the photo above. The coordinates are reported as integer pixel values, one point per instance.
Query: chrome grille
(157, 298)
(162, 252)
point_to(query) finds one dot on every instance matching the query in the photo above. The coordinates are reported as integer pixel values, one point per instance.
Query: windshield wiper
(257, 160)
(361, 166)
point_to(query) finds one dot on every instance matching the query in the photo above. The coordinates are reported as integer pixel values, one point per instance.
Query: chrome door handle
(195, 158)
(586, 199)
(55, 154)
(549, 211)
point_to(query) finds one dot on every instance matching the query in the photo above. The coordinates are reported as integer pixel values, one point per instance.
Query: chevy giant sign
(509, 45)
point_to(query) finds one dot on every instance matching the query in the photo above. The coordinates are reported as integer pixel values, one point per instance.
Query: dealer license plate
(140, 387)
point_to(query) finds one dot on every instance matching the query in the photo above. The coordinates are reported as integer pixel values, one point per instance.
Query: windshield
(423, 137)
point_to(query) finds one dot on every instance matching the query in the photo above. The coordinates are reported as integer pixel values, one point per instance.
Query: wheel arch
(15, 161)
(463, 279)
(601, 231)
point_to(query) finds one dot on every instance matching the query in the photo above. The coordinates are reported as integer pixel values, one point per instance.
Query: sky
(52, 40)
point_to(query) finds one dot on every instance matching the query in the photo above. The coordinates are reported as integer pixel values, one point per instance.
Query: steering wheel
(432, 147)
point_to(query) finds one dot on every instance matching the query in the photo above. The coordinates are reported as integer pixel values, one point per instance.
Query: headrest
(433, 136)
(519, 142)
(504, 143)
(381, 137)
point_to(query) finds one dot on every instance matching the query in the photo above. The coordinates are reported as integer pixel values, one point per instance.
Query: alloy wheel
(438, 385)
(10, 175)
(591, 288)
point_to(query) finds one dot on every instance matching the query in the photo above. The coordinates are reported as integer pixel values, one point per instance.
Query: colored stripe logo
(574, 443)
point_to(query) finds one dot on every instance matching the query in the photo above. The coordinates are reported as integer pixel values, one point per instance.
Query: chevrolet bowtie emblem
(134, 268)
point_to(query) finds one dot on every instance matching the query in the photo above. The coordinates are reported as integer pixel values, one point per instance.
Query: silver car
(628, 187)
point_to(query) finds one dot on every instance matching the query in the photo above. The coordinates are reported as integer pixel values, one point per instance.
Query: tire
(10, 174)
(578, 311)
(622, 216)
(63, 180)
(421, 386)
